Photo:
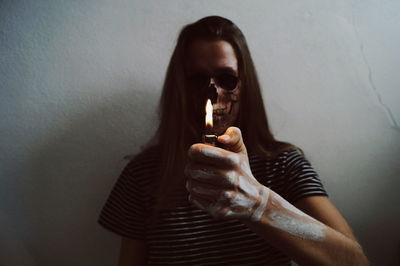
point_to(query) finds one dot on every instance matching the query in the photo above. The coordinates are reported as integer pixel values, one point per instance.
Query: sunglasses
(224, 80)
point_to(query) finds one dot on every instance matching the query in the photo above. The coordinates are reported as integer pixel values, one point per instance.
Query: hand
(220, 181)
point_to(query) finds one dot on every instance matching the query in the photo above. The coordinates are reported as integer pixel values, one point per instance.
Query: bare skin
(313, 232)
(305, 239)
(212, 58)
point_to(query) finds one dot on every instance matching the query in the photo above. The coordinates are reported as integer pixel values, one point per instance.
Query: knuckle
(234, 159)
(236, 130)
(231, 176)
(193, 149)
(226, 195)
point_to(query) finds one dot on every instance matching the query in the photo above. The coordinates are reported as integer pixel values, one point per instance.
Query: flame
(209, 114)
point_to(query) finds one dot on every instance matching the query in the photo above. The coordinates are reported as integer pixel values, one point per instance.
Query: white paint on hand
(212, 153)
(298, 227)
(242, 201)
(248, 188)
(257, 214)
(242, 205)
(245, 166)
(203, 191)
(215, 209)
(236, 214)
(202, 175)
(247, 200)
(231, 177)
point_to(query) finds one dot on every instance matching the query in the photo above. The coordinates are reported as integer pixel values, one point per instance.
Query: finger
(202, 173)
(240, 202)
(231, 213)
(202, 190)
(234, 205)
(210, 155)
(205, 192)
(218, 210)
(223, 179)
(232, 140)
(205, 176)
(201, 203)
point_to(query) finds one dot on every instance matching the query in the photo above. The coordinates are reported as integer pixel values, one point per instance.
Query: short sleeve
(124, 211)
(301, 178)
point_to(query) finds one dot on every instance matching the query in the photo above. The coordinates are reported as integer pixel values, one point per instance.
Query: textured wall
(80, 81)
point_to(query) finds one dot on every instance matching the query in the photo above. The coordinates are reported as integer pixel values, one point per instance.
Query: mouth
(227, 110)
(219, 116)
(219, 112)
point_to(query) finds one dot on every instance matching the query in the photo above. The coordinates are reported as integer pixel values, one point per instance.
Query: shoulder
(293, 156)
(295, 160)
(287, 157)
(150, 154)
(279, 158)
(143, 164)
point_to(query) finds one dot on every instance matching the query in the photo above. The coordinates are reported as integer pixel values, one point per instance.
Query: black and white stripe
(187, 235)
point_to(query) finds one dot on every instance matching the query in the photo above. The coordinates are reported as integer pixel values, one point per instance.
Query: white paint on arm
(260, 194)
(296, 226)
(292, 220)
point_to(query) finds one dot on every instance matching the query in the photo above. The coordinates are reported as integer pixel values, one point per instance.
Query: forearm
(304, 239)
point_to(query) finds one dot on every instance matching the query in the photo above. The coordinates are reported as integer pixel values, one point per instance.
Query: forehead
(212, 56)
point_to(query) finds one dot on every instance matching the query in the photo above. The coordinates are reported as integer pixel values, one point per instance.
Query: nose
(212, 92)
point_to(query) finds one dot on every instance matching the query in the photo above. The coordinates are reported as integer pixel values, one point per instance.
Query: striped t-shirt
(187, 235)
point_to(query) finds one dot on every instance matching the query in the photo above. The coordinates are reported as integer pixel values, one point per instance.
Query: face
(216, 58)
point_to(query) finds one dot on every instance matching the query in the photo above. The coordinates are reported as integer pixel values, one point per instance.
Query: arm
(221, 183)
(132, 253)
(305, 239)
(322, 209)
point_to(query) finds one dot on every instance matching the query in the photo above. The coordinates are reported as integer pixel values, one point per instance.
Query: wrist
(262, 206)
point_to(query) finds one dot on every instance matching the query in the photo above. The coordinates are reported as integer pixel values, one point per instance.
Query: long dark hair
(179, 123)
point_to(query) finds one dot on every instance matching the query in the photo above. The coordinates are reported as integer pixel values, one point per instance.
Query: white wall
(80, 82)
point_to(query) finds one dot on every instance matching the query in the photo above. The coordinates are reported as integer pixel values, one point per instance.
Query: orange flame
(209, 114)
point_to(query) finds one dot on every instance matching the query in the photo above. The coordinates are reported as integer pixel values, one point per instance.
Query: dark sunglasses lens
(198, 81)
(227, 81)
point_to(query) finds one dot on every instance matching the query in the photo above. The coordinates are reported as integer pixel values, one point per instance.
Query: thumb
(232, 140)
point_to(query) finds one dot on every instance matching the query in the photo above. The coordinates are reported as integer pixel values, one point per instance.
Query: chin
(221, 126)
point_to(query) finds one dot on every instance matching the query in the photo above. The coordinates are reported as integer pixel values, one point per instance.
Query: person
(249, 200)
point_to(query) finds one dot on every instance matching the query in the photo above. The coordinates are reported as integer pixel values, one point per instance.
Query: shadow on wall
(72, 172)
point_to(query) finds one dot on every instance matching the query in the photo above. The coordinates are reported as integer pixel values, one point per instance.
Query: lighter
(209, 138)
